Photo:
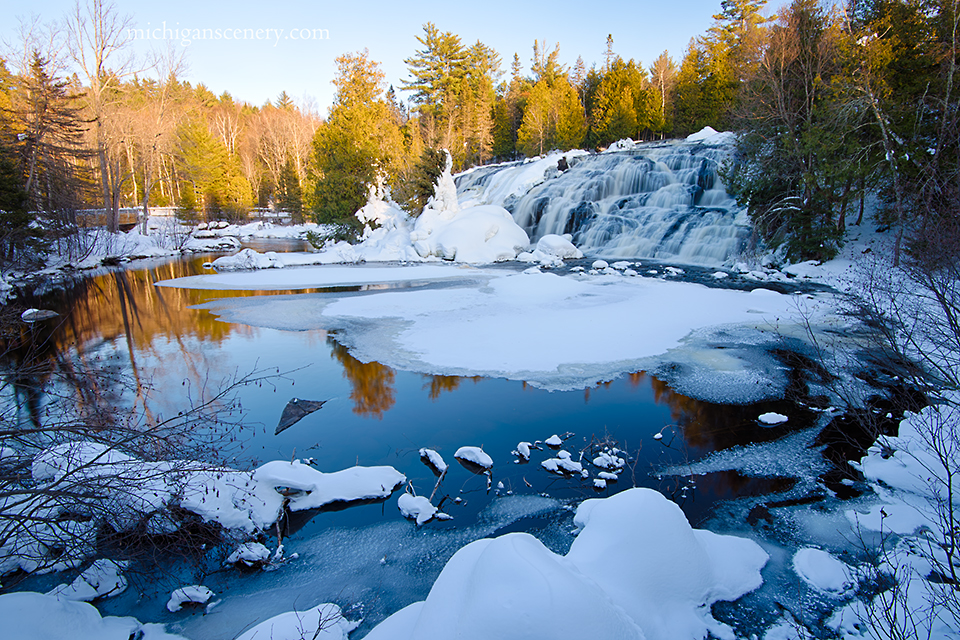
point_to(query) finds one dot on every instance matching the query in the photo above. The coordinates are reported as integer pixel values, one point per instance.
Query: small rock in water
(475, 456)
(600, 264)
(36, 315)
(772, 418)
(554, 441)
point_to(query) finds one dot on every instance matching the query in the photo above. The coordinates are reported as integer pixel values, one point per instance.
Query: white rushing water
(658, 200)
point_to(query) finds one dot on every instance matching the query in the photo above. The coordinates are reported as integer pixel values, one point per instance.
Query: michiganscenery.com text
(186, 36)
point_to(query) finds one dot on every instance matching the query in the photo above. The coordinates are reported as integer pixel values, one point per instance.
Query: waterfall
(657, 200)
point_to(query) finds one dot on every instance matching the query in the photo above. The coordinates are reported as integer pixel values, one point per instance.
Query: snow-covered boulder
(823, 572)
(481, 234)
(103, 579)
(316, 489)
(475, 456)
(322, 622)
(416, 508)
(194, 594)
(249, 554)
(637, 571)
(248, 259)
(552, 250)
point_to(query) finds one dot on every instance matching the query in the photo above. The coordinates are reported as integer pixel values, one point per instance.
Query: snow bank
(134, 492)
(907, 474)
(103, 579)
(636, 570)
(322, 622)
(34, 616)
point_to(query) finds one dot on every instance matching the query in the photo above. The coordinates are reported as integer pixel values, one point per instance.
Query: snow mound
(322, 622)
(481, 234)
(823, 572)
(636, 570)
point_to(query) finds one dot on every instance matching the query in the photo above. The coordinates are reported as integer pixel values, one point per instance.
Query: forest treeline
(832, 101)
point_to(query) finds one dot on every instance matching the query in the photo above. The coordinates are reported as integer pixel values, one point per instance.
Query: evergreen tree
(289, 192)
(797, 159)
(53, 145)
(359, 142)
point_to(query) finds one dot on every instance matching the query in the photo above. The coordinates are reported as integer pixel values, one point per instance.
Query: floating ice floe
(637, 570)
(553, 441)
(772, 418)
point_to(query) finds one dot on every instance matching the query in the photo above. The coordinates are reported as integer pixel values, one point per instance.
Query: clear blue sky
(257, 70)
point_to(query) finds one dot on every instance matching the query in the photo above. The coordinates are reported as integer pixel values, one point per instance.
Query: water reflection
(120, 320)
(373, 392)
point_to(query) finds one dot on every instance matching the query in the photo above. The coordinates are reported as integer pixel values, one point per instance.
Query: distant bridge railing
(130, 216)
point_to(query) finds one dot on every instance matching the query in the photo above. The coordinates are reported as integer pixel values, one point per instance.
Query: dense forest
(832, 101)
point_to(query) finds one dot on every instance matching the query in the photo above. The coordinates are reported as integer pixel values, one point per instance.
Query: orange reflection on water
(372, 382)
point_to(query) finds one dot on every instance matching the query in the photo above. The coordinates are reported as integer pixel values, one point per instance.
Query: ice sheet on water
(792, 456)
(384, 567)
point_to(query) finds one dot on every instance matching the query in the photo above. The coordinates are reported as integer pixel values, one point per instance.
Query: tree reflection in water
(372, 382)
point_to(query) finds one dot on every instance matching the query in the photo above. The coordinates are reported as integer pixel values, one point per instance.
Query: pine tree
(359, 142)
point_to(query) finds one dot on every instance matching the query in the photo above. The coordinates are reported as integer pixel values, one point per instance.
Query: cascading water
(656, 200)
